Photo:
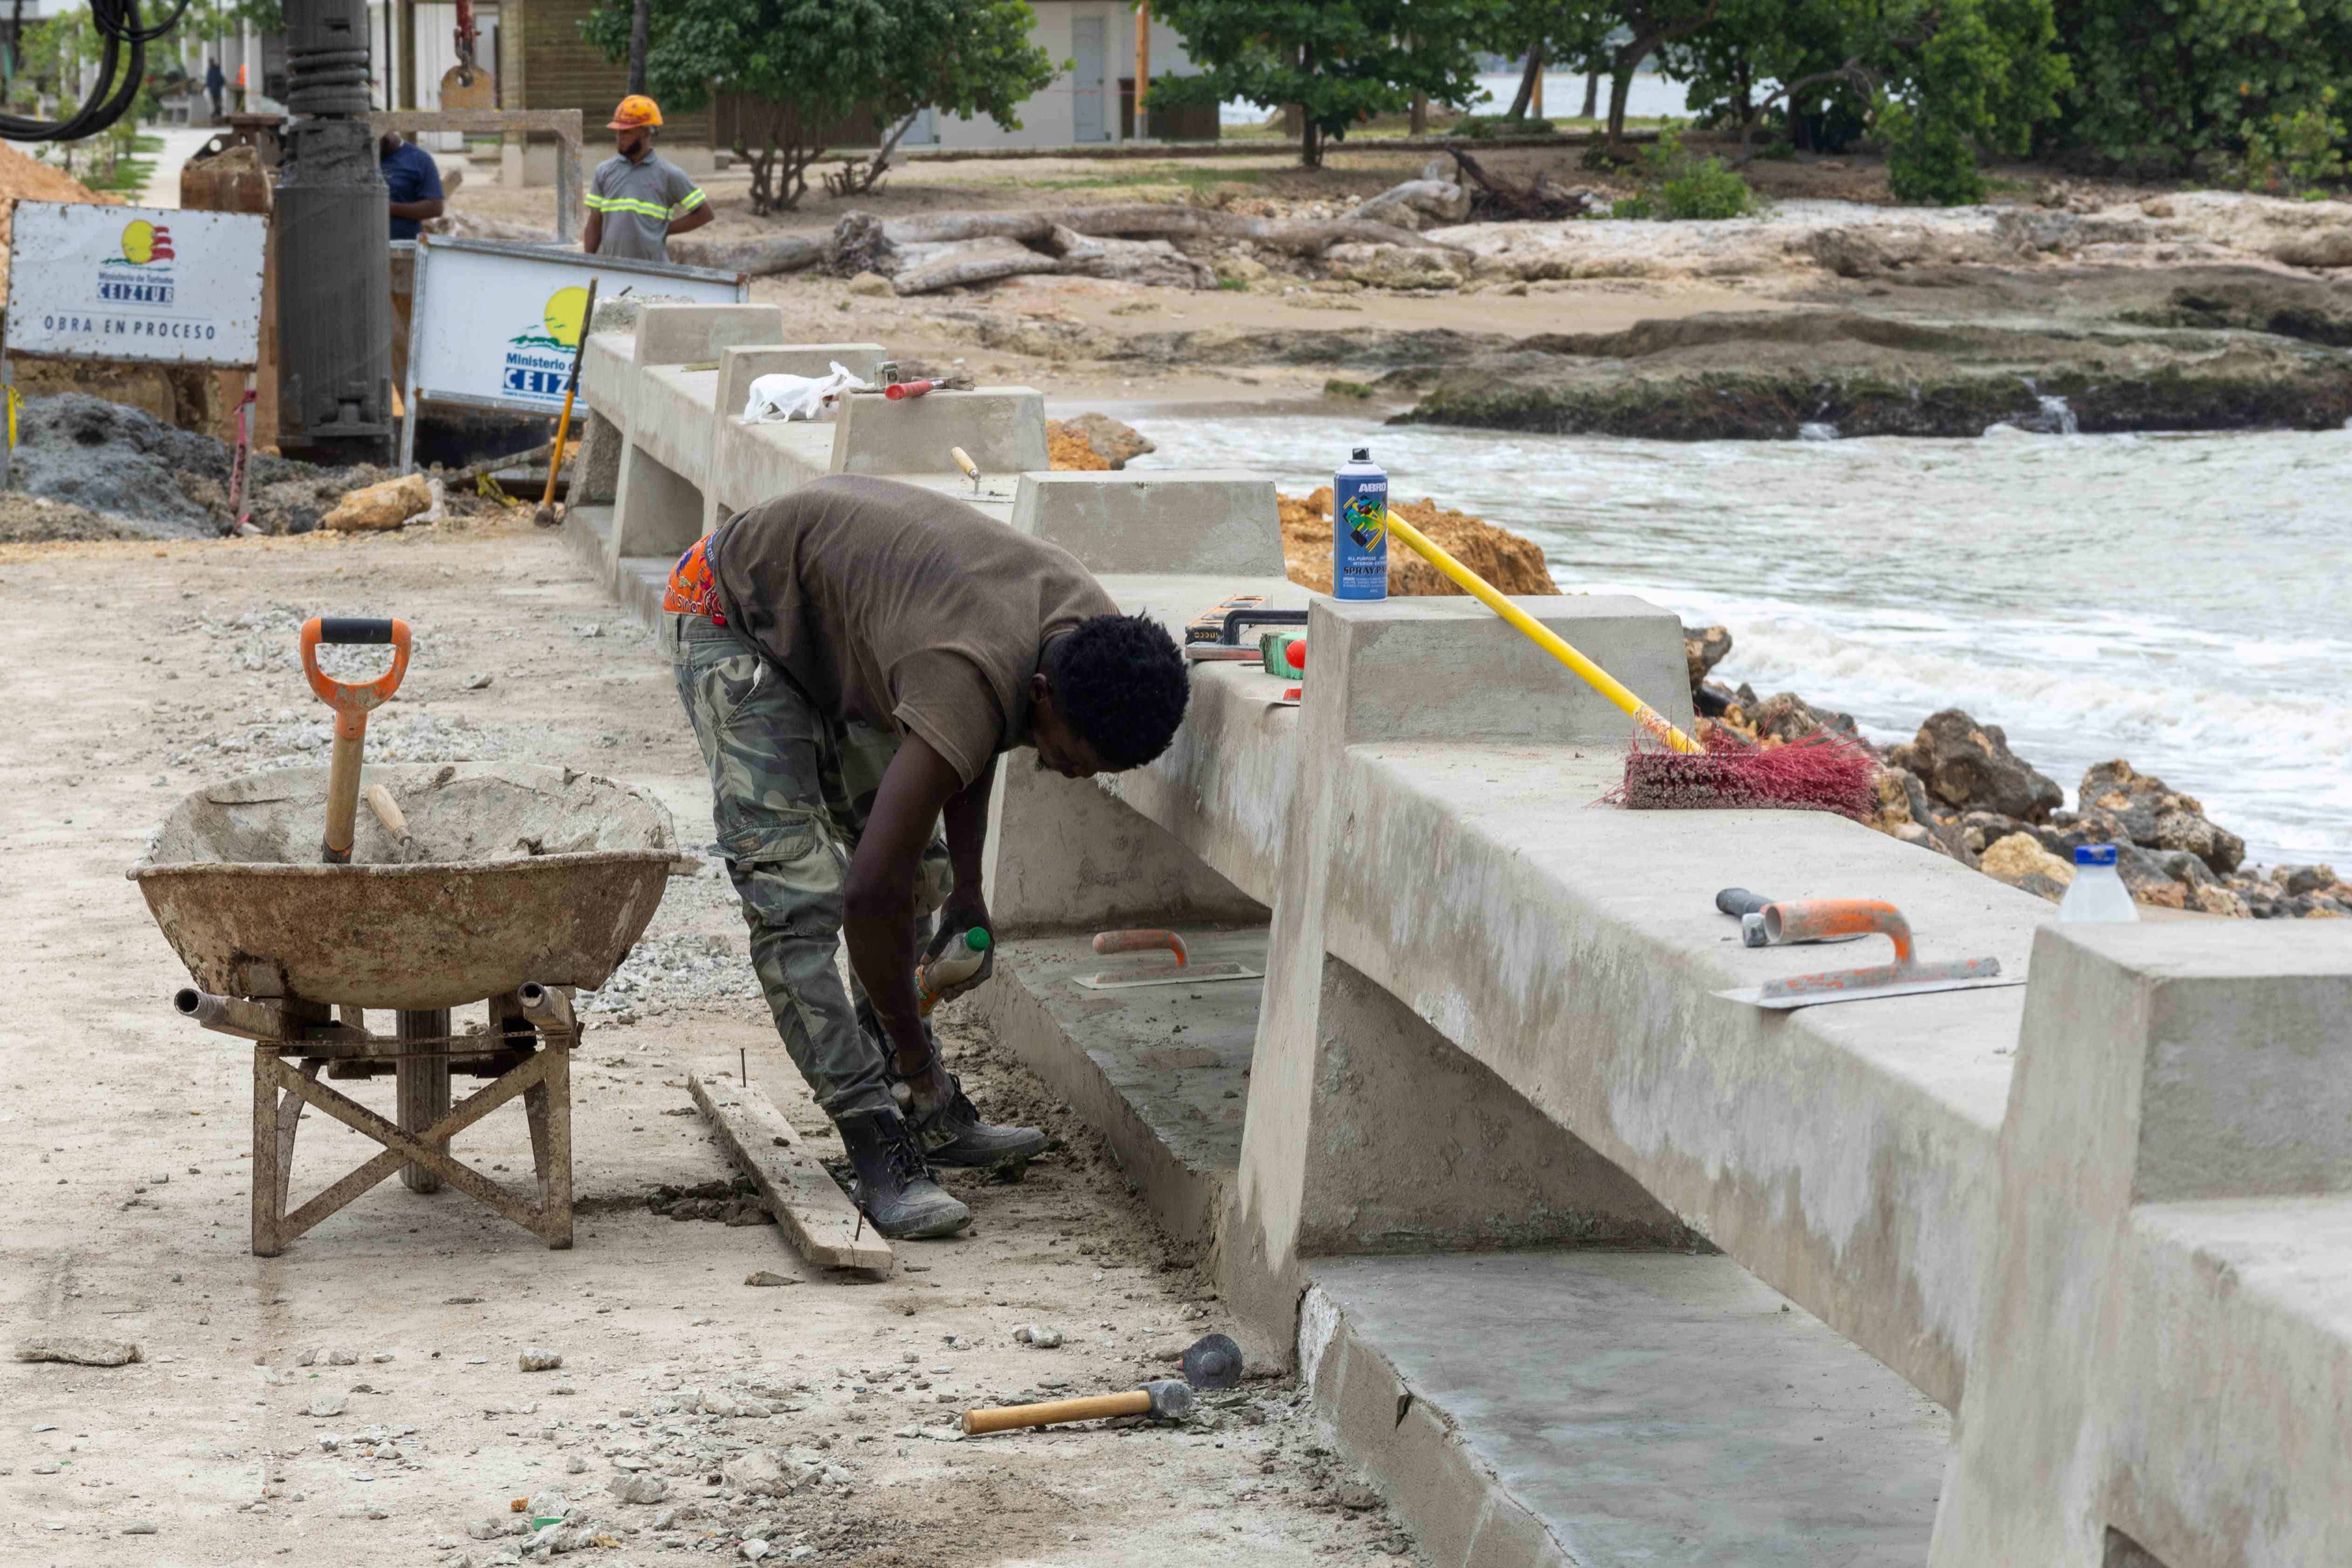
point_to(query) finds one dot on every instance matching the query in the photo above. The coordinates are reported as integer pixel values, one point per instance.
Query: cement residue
(456, 814)
(158, 481)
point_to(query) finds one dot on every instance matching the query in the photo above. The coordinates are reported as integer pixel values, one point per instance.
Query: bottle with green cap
(957, 962)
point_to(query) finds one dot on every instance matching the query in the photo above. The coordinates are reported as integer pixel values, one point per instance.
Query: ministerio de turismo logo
(142, 275)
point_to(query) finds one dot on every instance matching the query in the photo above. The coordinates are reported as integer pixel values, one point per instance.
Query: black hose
(118, 25)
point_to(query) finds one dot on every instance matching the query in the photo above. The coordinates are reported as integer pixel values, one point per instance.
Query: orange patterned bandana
(692, 589)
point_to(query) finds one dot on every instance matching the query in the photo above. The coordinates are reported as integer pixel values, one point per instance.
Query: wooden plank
(816, 1214)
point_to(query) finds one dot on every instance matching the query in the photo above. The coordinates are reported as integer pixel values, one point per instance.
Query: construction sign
(135, 283)
(494, 325)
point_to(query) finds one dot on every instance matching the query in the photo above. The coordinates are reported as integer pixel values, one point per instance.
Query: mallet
(1169, 1399)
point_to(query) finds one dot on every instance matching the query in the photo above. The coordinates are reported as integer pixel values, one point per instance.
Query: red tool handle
(897, 390)
(1141, 942)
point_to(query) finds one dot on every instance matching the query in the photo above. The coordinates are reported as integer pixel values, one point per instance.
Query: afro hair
(1120, 683)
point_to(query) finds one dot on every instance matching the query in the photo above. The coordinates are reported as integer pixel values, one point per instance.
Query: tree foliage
(1340, 62)
(2169, 81)
(808, 66)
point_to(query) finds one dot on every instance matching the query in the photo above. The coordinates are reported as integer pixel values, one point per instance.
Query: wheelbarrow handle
(353, 703)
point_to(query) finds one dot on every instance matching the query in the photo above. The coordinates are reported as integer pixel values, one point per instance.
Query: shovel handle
(1093, 1407)
(353, 703)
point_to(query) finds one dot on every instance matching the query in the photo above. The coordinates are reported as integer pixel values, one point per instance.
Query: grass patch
(1358, 390)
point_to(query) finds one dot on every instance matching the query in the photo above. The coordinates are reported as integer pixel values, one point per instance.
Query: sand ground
(124, 1134)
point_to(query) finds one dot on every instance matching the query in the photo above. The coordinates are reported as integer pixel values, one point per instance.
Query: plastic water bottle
(1359, 529)
(956, 964)
(2097, 893)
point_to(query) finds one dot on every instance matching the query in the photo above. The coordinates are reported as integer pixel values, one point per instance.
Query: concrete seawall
(1486, 1086)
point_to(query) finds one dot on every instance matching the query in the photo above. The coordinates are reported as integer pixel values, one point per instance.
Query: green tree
(809, 65)
(2168, 82)
(1340, 62)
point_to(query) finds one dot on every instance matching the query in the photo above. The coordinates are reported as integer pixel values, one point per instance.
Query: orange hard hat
(635, 109)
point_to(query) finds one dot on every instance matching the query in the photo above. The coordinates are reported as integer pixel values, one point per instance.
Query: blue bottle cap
(2094, 854)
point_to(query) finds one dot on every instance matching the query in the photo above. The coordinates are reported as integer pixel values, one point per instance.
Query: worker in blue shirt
(416, 184)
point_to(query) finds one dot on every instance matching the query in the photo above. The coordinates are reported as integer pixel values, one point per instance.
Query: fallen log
(1300, 236)
(924, 268)
(761, 258)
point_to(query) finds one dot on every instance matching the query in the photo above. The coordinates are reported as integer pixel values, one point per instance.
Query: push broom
(1820, 771)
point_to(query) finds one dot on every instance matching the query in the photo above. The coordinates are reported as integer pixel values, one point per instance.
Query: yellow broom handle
(1600, 679)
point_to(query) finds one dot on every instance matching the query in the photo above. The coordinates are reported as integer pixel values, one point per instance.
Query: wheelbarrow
(499, 884)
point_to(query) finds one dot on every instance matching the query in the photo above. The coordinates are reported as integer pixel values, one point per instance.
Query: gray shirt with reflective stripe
(638, 200)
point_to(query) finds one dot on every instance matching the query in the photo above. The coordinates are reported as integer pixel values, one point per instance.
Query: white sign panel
(135, 283)
(495, 325)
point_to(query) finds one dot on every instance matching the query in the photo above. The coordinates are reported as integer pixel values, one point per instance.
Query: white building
(1091, 102)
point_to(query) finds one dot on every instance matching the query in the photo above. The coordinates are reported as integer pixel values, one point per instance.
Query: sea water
(2184, 602)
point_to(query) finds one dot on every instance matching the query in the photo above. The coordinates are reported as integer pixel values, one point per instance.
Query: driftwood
(1494, 199)
(761, 258)
(923, 269)
(1300, 236)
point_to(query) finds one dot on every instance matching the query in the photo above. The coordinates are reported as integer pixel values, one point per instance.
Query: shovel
(549, 515)
(1817, 920)
(352, 703)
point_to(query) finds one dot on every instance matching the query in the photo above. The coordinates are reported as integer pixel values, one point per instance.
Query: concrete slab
(1633, 1407)
(1162, 1070)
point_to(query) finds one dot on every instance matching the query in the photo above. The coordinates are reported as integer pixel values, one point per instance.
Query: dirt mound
(1511, 563)
(165, 481)
(36, 520)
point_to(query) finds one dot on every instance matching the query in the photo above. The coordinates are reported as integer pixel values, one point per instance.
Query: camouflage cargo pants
(790, 793)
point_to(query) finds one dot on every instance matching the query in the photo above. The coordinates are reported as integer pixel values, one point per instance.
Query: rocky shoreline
(1956, 789)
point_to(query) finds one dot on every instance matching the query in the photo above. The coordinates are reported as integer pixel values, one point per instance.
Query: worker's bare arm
(878, 899)
(419, 211)
(592, 233)
(966, 820)
(690, 222)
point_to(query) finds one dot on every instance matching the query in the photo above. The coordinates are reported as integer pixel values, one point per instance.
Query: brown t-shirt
(902, 608)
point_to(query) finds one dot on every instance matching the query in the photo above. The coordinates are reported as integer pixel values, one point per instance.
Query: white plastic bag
(775, 397)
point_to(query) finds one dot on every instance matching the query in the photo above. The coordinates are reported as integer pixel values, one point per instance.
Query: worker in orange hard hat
(638, 199)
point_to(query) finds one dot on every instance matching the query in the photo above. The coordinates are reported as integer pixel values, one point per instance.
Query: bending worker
(638, 198)
(853, 657)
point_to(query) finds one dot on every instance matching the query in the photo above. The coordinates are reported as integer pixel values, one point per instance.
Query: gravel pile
(157, 480)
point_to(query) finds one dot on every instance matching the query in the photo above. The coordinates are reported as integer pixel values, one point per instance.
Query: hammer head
(1172, 1399)
(1214, 1360)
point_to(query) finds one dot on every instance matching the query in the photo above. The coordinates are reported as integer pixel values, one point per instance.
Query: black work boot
(955, 1135)
(894, 1184)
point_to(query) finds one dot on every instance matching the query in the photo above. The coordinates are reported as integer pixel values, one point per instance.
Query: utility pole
(641, 26)
(334, 291)
(1142, 60)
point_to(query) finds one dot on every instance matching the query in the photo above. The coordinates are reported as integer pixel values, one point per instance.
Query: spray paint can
(1359, 529)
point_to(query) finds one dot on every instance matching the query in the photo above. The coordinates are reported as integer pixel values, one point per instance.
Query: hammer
(1169, 1399)
(1210, 1362)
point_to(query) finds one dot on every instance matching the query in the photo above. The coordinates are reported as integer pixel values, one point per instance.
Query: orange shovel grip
(353, 701)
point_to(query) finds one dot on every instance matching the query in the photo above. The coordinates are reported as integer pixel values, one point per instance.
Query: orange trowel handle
(353, 703)
(1142, 942)
(1810, 919)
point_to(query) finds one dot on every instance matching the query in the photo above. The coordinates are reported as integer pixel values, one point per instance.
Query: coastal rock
(1785, 716)
(1395, 265)
(1704, 648)
(2326, 247)
(2298, 879)
(1511, 563)
(1970, 765)
(2157, 816)
(2022, 862)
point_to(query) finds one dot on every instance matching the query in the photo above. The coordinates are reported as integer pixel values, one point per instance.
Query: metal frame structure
(563, 124)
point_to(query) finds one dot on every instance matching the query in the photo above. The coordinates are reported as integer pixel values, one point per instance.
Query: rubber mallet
(1167, 1400)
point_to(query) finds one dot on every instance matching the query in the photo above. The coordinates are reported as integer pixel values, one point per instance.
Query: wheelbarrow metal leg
(422, 1077)
(268, 1186)
(547, 1107)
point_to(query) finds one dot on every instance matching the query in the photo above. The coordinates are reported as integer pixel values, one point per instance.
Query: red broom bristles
(1820, 771)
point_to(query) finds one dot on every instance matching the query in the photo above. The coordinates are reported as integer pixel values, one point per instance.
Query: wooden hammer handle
(1095, 1408)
